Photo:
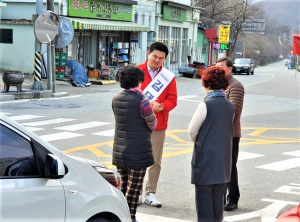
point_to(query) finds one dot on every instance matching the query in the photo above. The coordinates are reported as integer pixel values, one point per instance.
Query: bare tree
(230, 12)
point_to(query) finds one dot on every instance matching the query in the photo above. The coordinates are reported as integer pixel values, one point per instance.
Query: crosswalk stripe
(82, 126)
(60, 136)
(105, 133)
(48, 122)
(33, 129)
(4, 113)
(293, 153)
(154, 218)
(25, 117)
(247, 155)
(282, 165)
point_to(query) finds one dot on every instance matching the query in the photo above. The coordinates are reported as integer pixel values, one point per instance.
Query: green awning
(108, 25)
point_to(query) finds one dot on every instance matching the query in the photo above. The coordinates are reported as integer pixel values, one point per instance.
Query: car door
(26, 195)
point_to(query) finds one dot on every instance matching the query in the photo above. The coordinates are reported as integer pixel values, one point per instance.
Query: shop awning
(108, 25)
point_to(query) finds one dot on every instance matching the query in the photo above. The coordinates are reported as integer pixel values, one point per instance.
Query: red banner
(296, 44)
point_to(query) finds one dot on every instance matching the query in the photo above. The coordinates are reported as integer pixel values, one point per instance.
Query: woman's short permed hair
(214, 78)
(130, 76)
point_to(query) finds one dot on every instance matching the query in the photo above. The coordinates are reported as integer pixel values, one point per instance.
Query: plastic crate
(60, 56)
(60, 75)
(60, 69)
(60, 62)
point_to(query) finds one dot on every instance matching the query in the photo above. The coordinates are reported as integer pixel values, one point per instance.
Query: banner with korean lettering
(100, 9)
(224, 32)
(158, 84)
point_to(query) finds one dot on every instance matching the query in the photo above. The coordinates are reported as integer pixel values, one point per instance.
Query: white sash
(158, 84)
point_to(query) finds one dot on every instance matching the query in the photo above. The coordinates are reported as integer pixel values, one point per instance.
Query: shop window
(163, 34)
(6, 36)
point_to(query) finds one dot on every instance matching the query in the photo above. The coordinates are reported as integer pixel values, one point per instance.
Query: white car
(40, 183)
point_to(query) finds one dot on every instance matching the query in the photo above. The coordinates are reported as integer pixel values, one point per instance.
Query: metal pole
(38, 64)
(50, 7)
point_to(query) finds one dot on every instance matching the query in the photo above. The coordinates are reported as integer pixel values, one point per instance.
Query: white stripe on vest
(158, 84)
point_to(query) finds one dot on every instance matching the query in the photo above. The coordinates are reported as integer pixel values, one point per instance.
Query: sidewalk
(62, 88)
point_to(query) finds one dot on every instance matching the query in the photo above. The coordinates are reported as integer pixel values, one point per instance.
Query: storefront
(177, 28)
(103, 32)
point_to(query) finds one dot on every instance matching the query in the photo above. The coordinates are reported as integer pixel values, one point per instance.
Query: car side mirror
(54, 168)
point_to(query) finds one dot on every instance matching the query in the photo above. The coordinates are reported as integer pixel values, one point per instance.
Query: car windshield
(242, 61)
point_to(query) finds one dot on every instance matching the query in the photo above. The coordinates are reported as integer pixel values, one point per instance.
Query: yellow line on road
(258, 132)
(171, 134)
(262, 81)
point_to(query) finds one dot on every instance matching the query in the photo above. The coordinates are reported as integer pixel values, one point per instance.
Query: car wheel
(248, 72)
(252, 73)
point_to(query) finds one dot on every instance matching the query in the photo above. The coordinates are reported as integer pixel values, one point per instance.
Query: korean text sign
(158, 84)
(224, 31)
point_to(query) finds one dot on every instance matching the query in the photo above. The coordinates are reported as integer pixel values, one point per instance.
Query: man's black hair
(130, 76)
(160, 47)
(228, 61)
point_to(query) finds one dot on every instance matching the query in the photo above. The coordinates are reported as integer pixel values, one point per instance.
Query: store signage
(224, 31)
(221, 46)
(99, 9)
(173, 13)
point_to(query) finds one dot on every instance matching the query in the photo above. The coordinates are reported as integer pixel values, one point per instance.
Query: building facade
(110, 32)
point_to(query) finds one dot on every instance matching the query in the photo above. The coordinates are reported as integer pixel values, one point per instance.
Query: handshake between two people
(157, 107)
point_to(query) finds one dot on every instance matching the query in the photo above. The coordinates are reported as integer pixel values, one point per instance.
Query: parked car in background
(40, 183)
(243, 65)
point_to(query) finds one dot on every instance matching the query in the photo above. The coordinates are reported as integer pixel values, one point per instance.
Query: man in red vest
(165, 102)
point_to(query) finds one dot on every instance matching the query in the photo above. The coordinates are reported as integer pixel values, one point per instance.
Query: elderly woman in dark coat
(135, 121)
(211, 132)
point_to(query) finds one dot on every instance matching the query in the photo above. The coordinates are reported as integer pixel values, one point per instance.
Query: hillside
(285, 12)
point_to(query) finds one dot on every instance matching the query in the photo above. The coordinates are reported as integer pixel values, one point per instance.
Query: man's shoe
(151, 200)
(230, 206)
(140, 200)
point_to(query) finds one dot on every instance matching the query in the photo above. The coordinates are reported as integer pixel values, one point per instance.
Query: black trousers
(233, 195)
(209, 202)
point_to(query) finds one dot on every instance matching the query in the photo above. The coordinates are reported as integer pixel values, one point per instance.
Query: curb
(31, 94)
(6, 97)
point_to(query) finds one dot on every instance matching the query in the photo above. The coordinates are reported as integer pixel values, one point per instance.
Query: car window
(240, 61)
(16, 155)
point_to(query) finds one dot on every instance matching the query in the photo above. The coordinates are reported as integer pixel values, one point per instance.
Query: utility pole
(51, 52)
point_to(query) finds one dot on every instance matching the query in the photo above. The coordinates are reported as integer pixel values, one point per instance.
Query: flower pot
(12, 78)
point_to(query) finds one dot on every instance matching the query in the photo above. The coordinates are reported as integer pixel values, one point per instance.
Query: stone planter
(12, 78)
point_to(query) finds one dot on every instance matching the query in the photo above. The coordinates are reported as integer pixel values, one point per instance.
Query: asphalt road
(82, 125)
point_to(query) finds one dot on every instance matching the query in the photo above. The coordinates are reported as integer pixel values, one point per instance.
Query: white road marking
(247, 155)
(47, 122)
(153, 218)
(28, 100)
(33, 129)
(293, 153)
(188, 98)
(268, 214)
(81, 126)
(105, 133)
(60, 136)
(282, 165)
(4, 113)
(294, 189)
(25, 117)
